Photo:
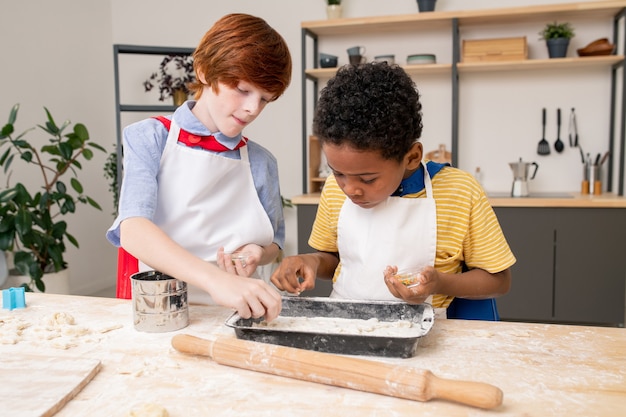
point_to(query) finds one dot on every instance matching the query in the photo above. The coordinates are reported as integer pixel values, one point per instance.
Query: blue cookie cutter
(13, 298)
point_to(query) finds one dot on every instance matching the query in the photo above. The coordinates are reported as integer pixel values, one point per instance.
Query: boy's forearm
(326, 263)
(475, 284)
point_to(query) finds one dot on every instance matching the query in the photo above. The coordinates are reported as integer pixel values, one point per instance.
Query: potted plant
(110, 173)
(175, 72)
(32, 225)
(426, 5)
(557, 37)
(333, 9)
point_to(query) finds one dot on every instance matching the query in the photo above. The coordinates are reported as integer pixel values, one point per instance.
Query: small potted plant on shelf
(426, 5)
(175, 72)
(333, 9)
(557, 37)
(32, 225)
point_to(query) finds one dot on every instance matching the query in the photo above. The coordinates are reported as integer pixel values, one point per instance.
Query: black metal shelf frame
(119, 108)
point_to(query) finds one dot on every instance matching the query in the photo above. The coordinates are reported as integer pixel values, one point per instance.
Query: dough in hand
(148, 410)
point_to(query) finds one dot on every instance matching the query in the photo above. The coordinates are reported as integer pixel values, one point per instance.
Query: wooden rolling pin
(347, 372)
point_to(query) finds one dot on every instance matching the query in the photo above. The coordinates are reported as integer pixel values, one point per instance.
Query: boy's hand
(295, 274)
(427, 279)
(243, 261)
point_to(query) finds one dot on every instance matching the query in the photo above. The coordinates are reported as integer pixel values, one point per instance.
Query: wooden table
(543, 370)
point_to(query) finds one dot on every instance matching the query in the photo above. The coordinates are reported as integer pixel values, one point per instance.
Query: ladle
(558, 145)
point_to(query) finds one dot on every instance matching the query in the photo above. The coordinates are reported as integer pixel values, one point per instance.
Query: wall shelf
(611, 11)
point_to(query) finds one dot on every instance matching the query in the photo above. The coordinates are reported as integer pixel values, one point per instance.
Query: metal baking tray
(421, 317)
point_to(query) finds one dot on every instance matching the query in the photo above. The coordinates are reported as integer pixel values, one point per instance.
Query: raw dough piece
(148, 410)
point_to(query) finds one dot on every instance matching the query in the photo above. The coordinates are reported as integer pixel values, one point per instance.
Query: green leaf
(68, 206)
(40, 284)
(93, 204)
(51, 126)
(76, 185)
(13, 113)
(61, 188)
(4, 156)
(95, 145)
(72, 239)
(23, 222)
(81, 131)
(7, 130)
(66, 150)
(27, 156)
(6, 240)
(7, 165)
(87, 154)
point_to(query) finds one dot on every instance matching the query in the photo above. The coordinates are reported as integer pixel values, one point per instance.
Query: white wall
(60, 55)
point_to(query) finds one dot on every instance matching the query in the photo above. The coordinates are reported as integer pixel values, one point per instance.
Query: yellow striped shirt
(467, 228)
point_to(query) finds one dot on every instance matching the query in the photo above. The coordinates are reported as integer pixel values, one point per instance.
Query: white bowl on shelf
(418, 59)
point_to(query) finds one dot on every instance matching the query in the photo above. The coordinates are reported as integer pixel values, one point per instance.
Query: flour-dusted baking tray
(421, 318)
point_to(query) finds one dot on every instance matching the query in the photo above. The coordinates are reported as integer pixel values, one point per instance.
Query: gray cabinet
(570, 266)
(306, 217)
(570, 263)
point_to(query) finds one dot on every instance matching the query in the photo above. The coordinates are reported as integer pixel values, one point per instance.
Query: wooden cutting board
(34, 386)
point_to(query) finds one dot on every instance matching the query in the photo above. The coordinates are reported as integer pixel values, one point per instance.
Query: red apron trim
(205, 142)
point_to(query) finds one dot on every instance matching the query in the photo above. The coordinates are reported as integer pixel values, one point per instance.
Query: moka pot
(521, 176)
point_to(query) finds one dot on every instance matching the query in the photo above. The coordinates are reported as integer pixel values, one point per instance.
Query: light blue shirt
(143, 145)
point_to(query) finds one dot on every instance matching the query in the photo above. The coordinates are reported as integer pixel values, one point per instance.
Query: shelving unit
(613, 11)
(119, 107)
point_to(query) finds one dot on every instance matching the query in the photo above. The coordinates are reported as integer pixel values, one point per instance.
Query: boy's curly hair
(373, 106)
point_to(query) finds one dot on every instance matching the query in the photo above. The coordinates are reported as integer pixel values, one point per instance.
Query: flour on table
(148, 410)
(58, 330)
(335, 325)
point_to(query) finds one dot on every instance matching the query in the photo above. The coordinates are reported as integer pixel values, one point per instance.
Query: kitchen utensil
(520, 177)
(159, 302)
(420, 316)
(558, 145)
(394, 380)
(40, 385)
(573, 129)
(604, 158)
(544, 146)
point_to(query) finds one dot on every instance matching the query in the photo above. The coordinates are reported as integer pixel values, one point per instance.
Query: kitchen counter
(606, 200)
(542, 369)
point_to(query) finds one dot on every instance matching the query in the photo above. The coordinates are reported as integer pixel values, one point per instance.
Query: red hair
(241, 47)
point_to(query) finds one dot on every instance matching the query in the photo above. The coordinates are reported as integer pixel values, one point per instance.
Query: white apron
(206, 201)
(398, 231)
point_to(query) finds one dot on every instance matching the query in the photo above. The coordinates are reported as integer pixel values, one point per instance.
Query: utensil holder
(592, 180)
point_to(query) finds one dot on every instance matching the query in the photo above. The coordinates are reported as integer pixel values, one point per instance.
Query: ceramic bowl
(421, 59)
(328, 61)
(389, 59)
(598, 47)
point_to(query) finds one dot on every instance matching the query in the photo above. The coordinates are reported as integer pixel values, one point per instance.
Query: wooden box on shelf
(502, 49)
(315, 158)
